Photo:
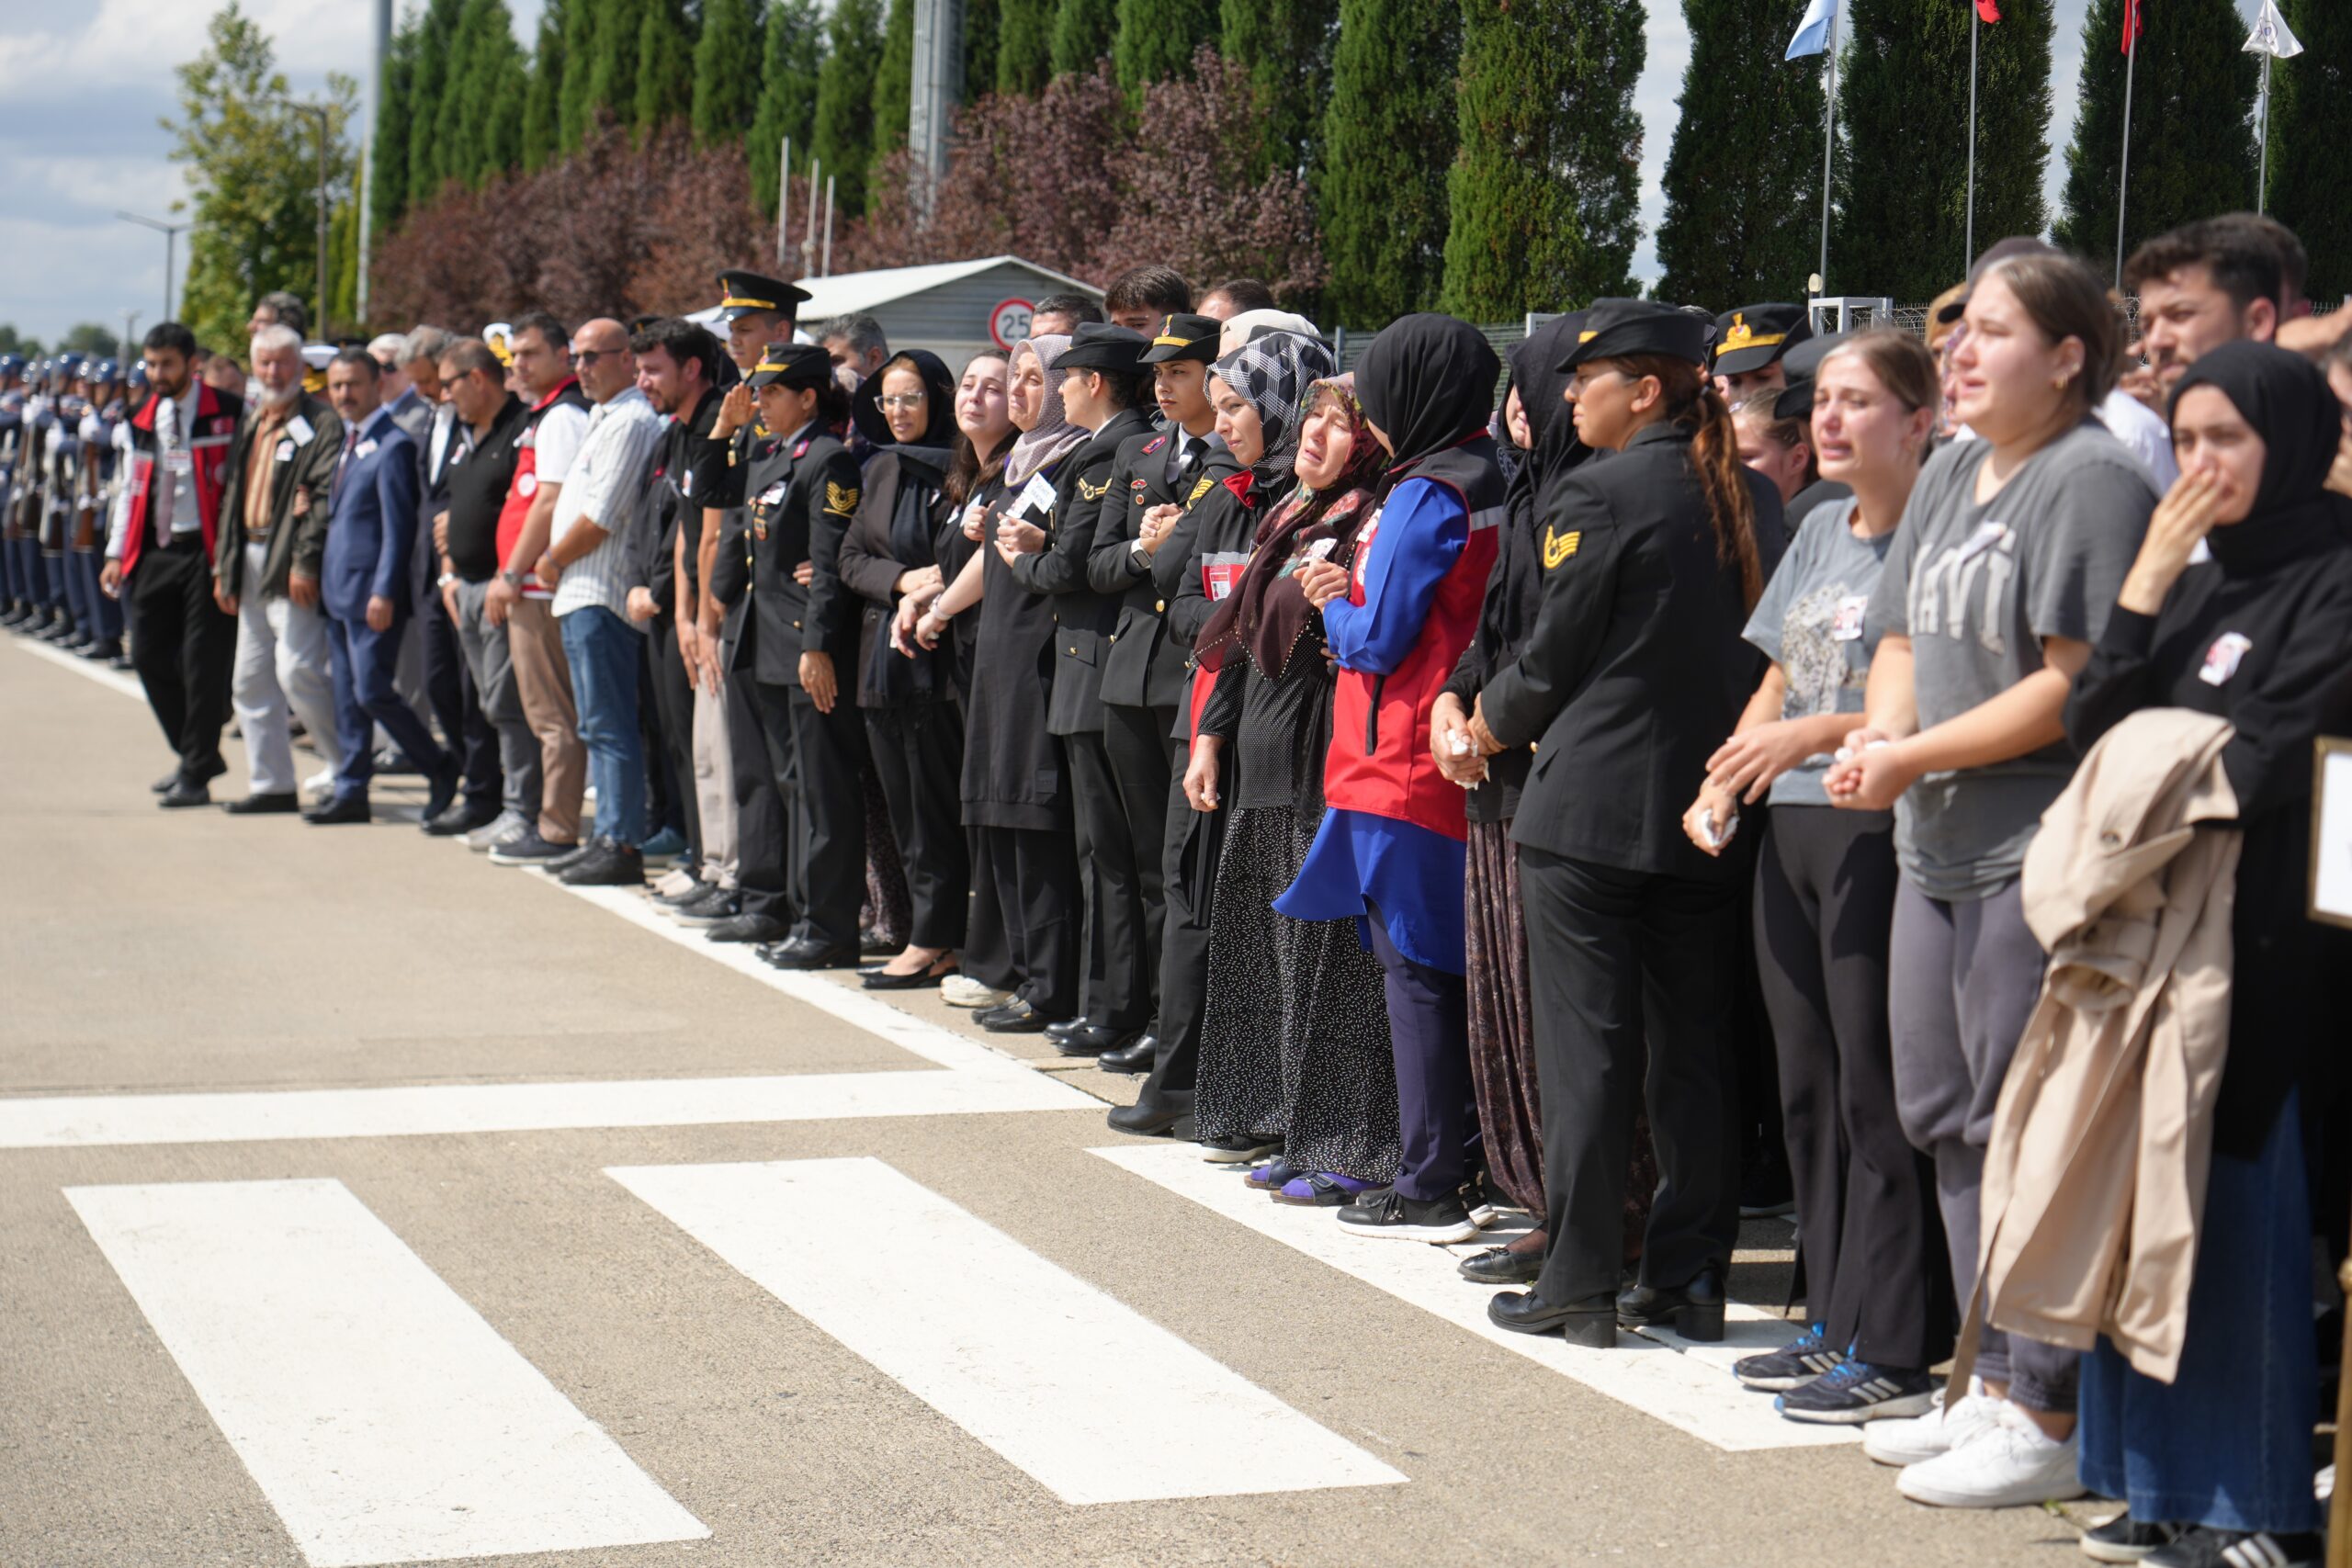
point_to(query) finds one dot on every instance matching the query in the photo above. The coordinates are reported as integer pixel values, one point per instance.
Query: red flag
(2133, 27)
(1988, 10)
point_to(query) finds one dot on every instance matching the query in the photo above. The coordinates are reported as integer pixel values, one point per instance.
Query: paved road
(363, 1202)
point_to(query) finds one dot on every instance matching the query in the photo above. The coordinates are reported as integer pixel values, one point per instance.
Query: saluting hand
(1322, 581)
(734, 412)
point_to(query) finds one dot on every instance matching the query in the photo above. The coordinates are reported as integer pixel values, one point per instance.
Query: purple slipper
(1323, 1190)
(1271, 1177)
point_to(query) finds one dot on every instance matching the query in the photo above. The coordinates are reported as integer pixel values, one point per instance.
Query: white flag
(1813, 32)
(2270, 36)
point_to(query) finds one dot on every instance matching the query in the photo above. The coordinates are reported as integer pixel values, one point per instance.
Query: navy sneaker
(2203, 1546)
(2126, 1539)
(528, 850)
(1854, 1392)
(1793, 1364)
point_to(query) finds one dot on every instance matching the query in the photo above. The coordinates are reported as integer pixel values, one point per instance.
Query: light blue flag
(1813, 33)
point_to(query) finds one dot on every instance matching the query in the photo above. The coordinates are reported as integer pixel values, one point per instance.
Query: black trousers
(1428, 1035)
(1136, 739)
(1119, 975)
(456, 706)
(185, 652)
(829, 816)
(1872, 1234)
(669, 716)
(918, 751)
(1626, 965)
(1188, 872)
(1035, 873)
(1757, 1078)
(759, 748)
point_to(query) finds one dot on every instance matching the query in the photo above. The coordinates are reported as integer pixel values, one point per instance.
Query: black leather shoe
(1060, 1031)
(264, 804)
(1015, 1017)
(1694, 1309)
(183, 794)
(883, 980)
(1088, 1039)
(443, 792)
(104, 651)
(1171, 1118)
(739, 927)
(166, 784)
(458, 821)
(811, 953)
(1138, 1055)
(1591, 1321)
(1501, 1266)
(341, 810)
(607, 864)
(392, 760)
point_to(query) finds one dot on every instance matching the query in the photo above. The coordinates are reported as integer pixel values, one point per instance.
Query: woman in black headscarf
(2260, 634)
(907, 412)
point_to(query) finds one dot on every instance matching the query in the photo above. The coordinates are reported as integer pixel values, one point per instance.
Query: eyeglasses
(590, 355)
(903, 403)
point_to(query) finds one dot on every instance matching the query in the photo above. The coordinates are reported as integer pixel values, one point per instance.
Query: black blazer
(1084, 618)
(1635, 670)
(1143, 667)
(800, 496)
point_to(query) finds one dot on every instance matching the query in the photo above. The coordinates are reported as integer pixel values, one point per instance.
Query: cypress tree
(2311, 125)
(1157, 37)
(665, 67)
(476, 131)
(1082, 32)
(541, 136)
(580, 21)
(502, 131)
(726, 83)
(2192, 137)
(1388, 138)
(1901, 184)
(1541, 196)
(980, 47)
(894, 79)
(845, 131)
(434, 34)
(1286, 44)
(612, 71)
(792, 53)
(1024, 44)
(387, 153)
(1727, 243)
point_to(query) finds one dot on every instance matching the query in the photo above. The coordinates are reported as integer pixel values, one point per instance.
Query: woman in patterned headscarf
(1294, 1041)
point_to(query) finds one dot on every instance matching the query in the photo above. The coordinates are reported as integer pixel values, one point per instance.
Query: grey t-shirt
(1976, 588)
(1809, 622)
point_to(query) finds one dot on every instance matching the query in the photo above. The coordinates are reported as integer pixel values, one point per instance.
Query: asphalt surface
(151, 952)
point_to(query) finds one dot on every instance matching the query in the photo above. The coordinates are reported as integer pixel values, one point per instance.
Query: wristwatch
(445, 579)
(512, 578)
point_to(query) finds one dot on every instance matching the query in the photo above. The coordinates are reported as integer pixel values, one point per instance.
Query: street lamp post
(170, 232)
(320, 117)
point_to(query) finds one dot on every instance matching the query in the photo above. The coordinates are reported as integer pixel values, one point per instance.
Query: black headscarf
(2291, 406)
(1428, 382)
(1552, 447)
(939, 389)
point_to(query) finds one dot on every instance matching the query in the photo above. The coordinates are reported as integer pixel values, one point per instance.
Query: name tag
(1037, 496)
(2222, 660)
(179, 460)
(1320, 550)
(1847, 625)
(299, 428)
(286, 451)
(365, 449)
(774, 494)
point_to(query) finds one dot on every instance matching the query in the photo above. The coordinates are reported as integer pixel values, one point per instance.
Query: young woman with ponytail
(1632, 673)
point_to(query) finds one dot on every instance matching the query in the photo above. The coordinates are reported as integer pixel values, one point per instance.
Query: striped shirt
(605, 484)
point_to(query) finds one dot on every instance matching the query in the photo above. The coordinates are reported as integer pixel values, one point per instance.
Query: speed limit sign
(1009, 323)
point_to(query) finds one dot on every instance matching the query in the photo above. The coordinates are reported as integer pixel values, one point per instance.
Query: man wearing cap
(1105, 389)
(1145, 673)
(1749, 346)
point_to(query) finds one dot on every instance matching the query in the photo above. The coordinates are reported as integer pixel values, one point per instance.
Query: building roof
(850, 293)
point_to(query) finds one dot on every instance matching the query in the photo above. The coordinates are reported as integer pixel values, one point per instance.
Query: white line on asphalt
(1685, 1385)
(1096, 1401)
(89, 669)
(381, 1417)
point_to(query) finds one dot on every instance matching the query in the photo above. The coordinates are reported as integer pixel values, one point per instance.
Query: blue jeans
(603, 651)
(2228, 1442)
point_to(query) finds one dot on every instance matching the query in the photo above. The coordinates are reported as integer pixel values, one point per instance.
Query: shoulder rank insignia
(839, 500)
(1093, 493)
(1558, 548)
(1201, 490)
(1154, 445)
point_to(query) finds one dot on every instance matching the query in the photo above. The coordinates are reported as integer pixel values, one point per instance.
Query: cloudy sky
(82, 86)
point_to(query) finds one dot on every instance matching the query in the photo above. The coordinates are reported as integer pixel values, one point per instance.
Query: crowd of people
(1737, 769)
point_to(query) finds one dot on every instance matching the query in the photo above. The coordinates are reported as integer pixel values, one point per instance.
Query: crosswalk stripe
(1096, 1401)
(384, 1420)
(1687, 1386)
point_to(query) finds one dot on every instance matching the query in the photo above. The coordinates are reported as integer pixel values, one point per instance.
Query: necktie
(1196, 452)
(350, 440)
(167, 440)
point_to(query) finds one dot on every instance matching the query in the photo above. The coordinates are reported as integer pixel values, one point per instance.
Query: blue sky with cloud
(82, 89)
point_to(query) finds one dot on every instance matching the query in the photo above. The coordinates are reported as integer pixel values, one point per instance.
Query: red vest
(526, 484)
(208, 446)
(1380, 762)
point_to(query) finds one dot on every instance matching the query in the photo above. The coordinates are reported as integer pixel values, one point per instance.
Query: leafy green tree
(727, 88)
(581, 19)
(477, 130)
(1731, 242)
(1901, 186)
(894, 79)
(1082, 33)
(387, 154)
(435, 31)
(2311, 125)
(252, 173)
(542, 131)
(1286, 47)
(342, 265)
(1157, 37)
(665, 67)
(89, 337)
(791, 60)
(845, 131)
(12, 343)
(1541, 196)
(980, 47)
(612, 70)
(1024, 44)
(2192, 134)
(1388, 140)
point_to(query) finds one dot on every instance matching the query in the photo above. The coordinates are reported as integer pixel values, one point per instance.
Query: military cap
(1754, 335)
(1803, 363)
(1099, 346)
(744, 292)
(1616, 329)
(1183, 337)
(793, 365)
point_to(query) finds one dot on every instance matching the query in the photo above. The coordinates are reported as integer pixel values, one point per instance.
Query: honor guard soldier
(1749, 345)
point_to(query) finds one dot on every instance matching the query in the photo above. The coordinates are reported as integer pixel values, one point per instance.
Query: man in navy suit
(368, 592)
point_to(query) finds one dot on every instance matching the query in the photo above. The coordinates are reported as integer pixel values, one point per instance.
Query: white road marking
(1686, 1387)
(382, 1419)
(121, 680)
(1096, 1401)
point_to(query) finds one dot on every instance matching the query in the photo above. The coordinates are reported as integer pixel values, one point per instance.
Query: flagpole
(2262, 180)
(1975, 24)
(2123, 170)
(1830, 140)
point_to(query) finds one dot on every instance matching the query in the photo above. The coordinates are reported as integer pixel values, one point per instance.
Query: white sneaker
(2009, 1463)
(1919, 1438)
(319, 782)
(963, 991)
(671, 883)
(497, 831)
